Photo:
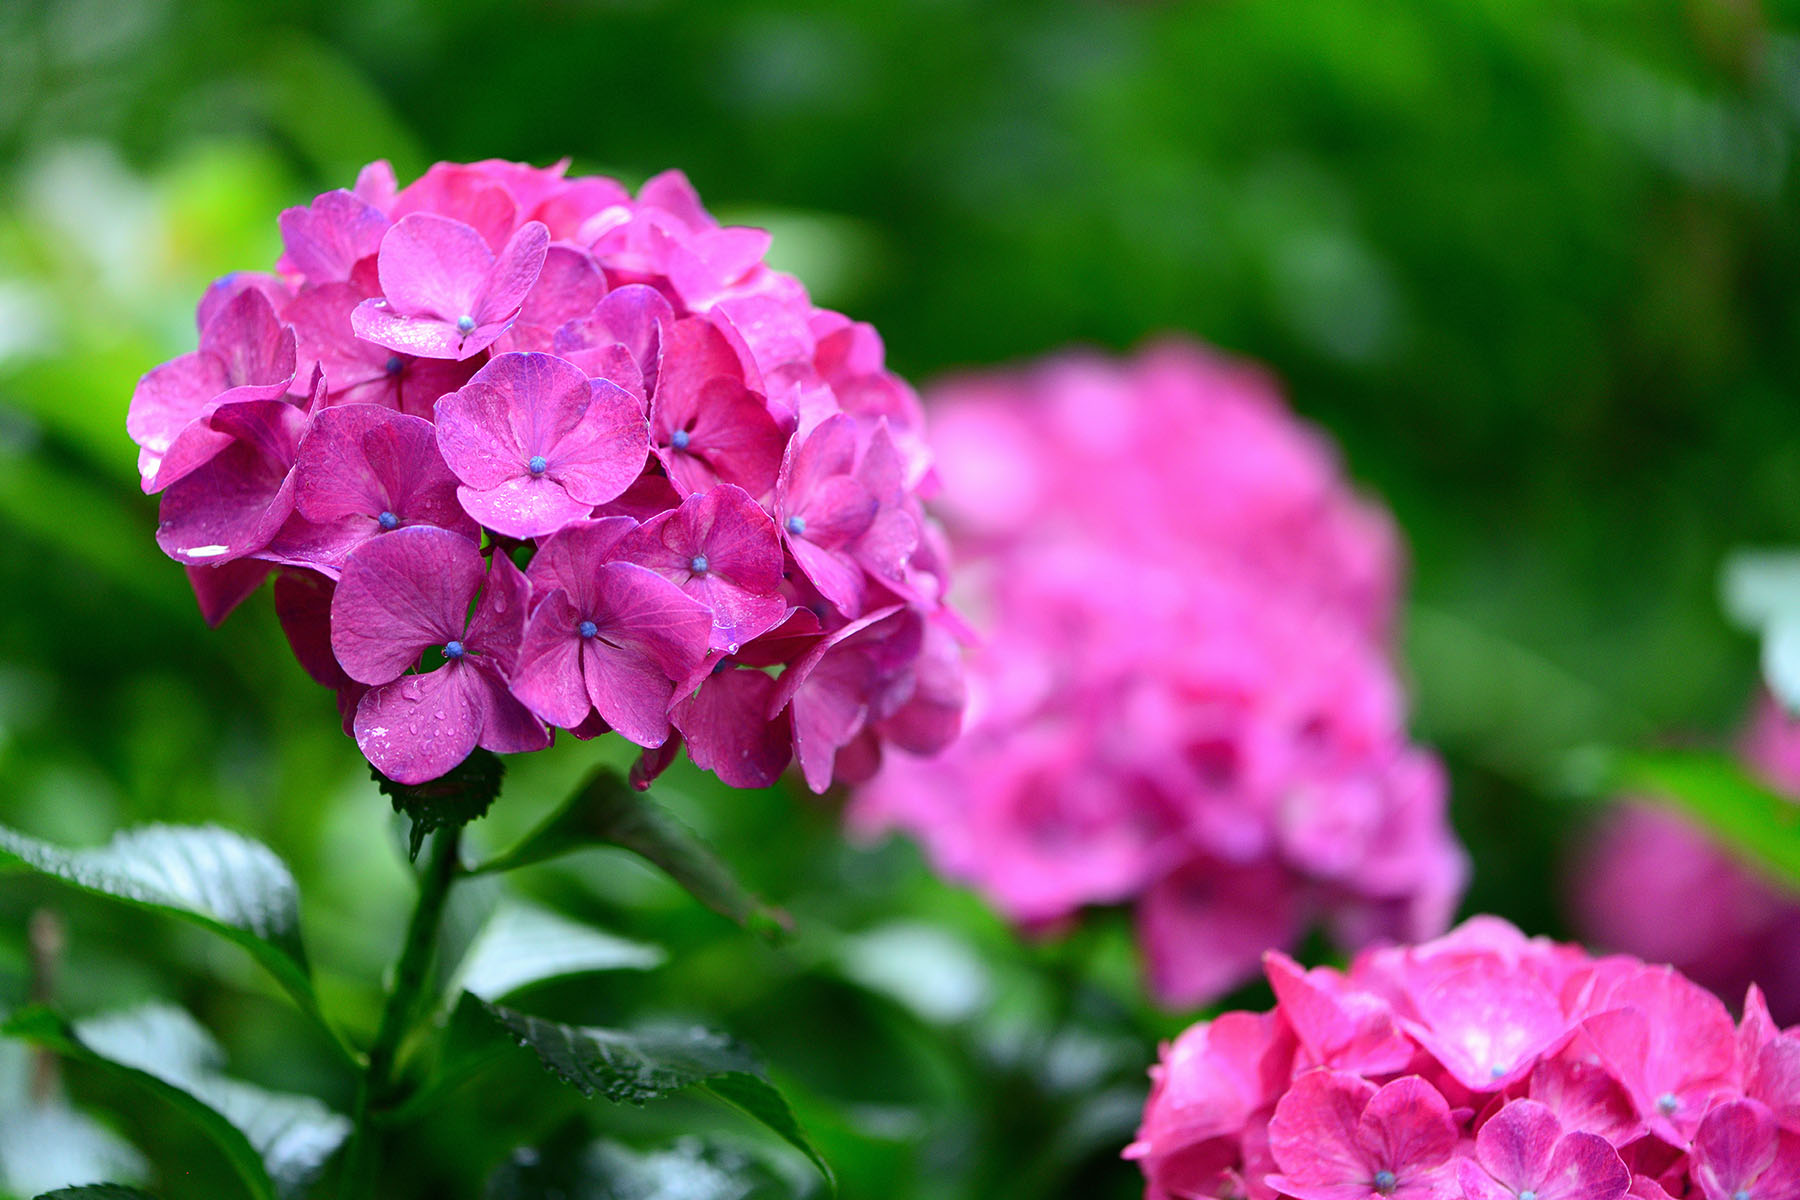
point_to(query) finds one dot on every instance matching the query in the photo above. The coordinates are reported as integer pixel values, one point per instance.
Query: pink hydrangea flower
(1713, 917)
(534, 398)
(1184, 697)
(1349, 1090)
(409, 593)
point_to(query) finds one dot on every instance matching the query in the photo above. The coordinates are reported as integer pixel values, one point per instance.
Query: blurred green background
(1530, 262)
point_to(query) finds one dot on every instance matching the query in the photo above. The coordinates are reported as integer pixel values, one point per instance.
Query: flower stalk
(374, 1091)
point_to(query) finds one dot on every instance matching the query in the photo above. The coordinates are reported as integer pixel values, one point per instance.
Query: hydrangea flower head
(1709, 914)
(1342, 1092)
(1183, 698)
(513, 443)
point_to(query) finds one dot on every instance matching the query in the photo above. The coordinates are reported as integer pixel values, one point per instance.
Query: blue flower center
(698, 564)
(1527, 1194)
(465, 324)
(387, 521)
(538, 464)
(796, 525)
(394, 365)
(453, 650)
(680, 439)
(587, 629)
(1385, 1181)
(1740, 1194)
(1667, 1104)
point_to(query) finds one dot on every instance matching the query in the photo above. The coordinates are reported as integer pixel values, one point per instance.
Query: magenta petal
(166, 399)
(326, 240)
(516, 270)
(488, 429)
(568, 288)
(303, 606)
(433, 266)
(605, 451)
(1205, 927)
(838, 577)
(507, 726)
(1584, 1166)
(639, 317)
(734, 545)
(523, 507)
(1515, 1144)
(650, 635)
(1488, 1025)
(427, 337)
(729, 732)
(1315, 1134)
(1407, 1127)
(220, 589)
(234, 503)
(1735, 1144)
(399, 594)
(499, 619)
(571, 559)
(547, 678)
(417, 727)
(363, 460)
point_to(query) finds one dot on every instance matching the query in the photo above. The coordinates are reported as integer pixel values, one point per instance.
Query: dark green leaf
(637, 1066)
(276, 1142)
(212, 877)
(1718, 793)
(609, 811)
(691, 1169)
(463, 794)
(97, 1191)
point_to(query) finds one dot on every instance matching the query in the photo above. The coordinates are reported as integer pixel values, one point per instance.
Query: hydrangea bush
(528, 453)
(1184, 697)
(1721, 923)
(1484, 1065)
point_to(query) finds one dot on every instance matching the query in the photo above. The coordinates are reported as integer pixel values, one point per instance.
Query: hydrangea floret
(1184, 698)
(1483, 1065)
(528, 453)
(1719, 921)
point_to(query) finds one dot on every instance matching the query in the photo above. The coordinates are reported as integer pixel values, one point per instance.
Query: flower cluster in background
(1702, 909)
(528, 452)
(1184, 698)
(1482, 1065)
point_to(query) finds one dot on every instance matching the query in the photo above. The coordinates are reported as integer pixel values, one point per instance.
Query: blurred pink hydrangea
(1706, 911)
(529, 452)
(1183, 697)
(1481, 1066)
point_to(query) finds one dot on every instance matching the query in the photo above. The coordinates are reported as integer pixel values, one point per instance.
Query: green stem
(441, 868)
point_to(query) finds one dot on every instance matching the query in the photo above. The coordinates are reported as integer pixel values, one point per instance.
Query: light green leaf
(277, 1142)
(523, 944)
(53, 1146)
(637, 1066)
(691, 1169)
(214, 878)
(1761, 587)
(1718, 793)
(607, 811)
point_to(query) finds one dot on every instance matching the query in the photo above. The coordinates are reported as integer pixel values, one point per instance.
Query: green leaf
(1717, 792)
(96, 1191)
(523, 944)
(277, 1142)
(52, 1146)
(691, 1169)
(608, 811)
(216, 879)
(463, 794)
(641, 1065)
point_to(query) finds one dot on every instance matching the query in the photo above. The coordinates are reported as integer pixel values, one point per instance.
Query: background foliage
(1530, 262)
